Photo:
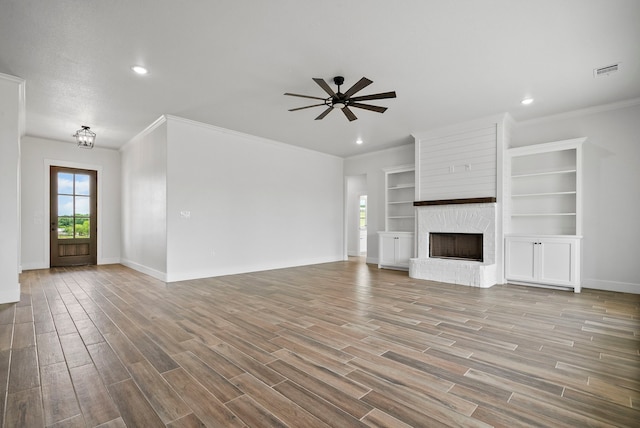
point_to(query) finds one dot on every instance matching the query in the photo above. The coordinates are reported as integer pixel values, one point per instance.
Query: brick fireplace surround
(456, 216)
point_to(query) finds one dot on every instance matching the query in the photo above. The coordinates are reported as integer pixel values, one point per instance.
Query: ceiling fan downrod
(338, 101)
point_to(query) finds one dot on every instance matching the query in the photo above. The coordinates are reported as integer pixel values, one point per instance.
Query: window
(363, 212)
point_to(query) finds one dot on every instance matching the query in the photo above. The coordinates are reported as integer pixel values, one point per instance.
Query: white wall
(144, 201)
(356, 186)
(611, 203)
(38, 155)
(11, 105)
(372, 165)
(252, 204)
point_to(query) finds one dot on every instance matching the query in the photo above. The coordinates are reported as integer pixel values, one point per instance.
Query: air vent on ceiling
(605, 71)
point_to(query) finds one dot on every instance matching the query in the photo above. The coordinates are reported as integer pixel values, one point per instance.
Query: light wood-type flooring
(339, 344)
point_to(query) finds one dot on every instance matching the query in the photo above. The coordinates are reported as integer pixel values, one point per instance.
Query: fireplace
(456, 242)
(456, 246)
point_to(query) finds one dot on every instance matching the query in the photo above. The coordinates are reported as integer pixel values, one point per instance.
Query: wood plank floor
(339, 344)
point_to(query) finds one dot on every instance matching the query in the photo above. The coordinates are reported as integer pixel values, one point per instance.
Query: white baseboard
(109, 261)
(34, 266)
(233, 270)
(162, 276)
(621, 287)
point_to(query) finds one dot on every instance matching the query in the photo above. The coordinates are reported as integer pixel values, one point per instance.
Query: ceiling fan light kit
(343, 101)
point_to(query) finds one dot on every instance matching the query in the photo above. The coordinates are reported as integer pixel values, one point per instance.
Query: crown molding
(153, 126)
(582, 112)
(239, 134)
(11, 78)
(378, 152)
(22, 110)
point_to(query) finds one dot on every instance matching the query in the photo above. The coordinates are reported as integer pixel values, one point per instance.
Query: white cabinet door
(552, 260)
(395, 249)
(558, 262)
(387, 250)
(520, 259)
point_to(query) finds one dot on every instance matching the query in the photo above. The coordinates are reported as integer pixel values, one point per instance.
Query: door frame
(350, 202)
(48, 163)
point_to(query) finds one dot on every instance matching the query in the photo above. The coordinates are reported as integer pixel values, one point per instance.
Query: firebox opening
(457, 246)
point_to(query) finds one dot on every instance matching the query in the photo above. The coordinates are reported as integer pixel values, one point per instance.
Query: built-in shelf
(544, 182)
(399, 197)
(535, 174)
(540, 214)
(396, 243)
(527, 195)
(543, 214)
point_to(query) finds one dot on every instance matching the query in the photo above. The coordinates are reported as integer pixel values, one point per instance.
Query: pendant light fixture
(85, 137)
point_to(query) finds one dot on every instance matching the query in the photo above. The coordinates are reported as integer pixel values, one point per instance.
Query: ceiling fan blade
(368, 107)
(302, 108)
(349, 114)
(324, 113)
(303, 96)
(360, 85)
(324, 86)
(379, 96)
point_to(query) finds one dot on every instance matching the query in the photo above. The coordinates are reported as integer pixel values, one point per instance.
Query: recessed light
(359, 141)
(526, 101)
(138, 69)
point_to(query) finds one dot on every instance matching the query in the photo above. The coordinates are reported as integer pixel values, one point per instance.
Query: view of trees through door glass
(73, 206)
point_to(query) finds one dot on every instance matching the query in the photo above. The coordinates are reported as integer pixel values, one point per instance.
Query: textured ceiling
(228, 63)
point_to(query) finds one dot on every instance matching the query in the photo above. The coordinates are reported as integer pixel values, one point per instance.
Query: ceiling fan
(344, 101)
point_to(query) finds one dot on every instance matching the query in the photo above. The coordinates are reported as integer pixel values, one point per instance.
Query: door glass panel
(82, 206)
(65, 205)
(82, 227)
(65, 183)
(82, 184)
(65, 227)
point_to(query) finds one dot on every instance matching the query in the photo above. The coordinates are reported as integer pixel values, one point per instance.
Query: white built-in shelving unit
(544, 213)
(396, 243)
(399, 196)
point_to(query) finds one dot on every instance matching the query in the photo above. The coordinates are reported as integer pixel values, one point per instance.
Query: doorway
(73, 216)
(356, 223)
